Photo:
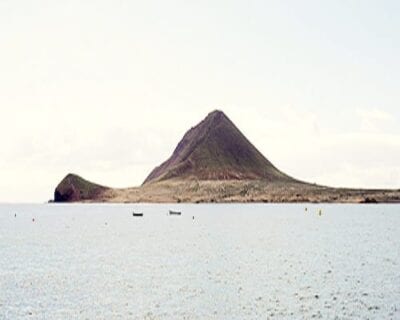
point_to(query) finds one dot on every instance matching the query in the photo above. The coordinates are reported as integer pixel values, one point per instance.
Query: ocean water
(235, 261)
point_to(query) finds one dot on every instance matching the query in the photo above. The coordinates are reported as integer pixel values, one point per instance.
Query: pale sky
(106, 89)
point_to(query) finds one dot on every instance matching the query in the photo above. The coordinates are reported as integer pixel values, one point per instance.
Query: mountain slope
(215, 149)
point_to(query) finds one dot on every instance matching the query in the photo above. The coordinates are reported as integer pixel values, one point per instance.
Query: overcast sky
(106, 89)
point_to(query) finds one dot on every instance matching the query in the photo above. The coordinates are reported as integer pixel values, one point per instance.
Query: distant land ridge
(215, 162)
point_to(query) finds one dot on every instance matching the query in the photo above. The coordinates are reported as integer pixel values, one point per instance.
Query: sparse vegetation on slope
(215, 149)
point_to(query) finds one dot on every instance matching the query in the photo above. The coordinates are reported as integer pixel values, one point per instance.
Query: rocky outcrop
(74, 188)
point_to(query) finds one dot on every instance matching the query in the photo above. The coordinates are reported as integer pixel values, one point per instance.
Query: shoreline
(213, 193)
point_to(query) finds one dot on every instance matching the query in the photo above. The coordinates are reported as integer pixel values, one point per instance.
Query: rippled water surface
(229, 262)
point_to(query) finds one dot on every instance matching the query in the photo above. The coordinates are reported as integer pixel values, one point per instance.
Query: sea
(214, 261)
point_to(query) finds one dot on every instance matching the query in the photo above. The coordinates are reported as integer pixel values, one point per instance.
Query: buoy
(320, 212)
(305, 209)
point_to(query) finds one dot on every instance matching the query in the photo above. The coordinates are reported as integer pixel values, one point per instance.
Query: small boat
(137, 214)
(174, 213)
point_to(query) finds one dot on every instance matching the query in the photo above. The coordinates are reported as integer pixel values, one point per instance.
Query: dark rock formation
(74, 188)
(369, 200)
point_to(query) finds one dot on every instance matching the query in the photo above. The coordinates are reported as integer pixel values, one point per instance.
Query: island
(215, 162)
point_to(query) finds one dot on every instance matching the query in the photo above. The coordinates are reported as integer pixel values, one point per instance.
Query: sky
(106, 89)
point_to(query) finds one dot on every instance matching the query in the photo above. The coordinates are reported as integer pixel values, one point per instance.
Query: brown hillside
(215, 149)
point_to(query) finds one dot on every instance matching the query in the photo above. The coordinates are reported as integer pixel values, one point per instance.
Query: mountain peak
(215, 149)
(216, 114)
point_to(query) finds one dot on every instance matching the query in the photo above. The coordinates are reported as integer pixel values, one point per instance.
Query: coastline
(235, 191)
